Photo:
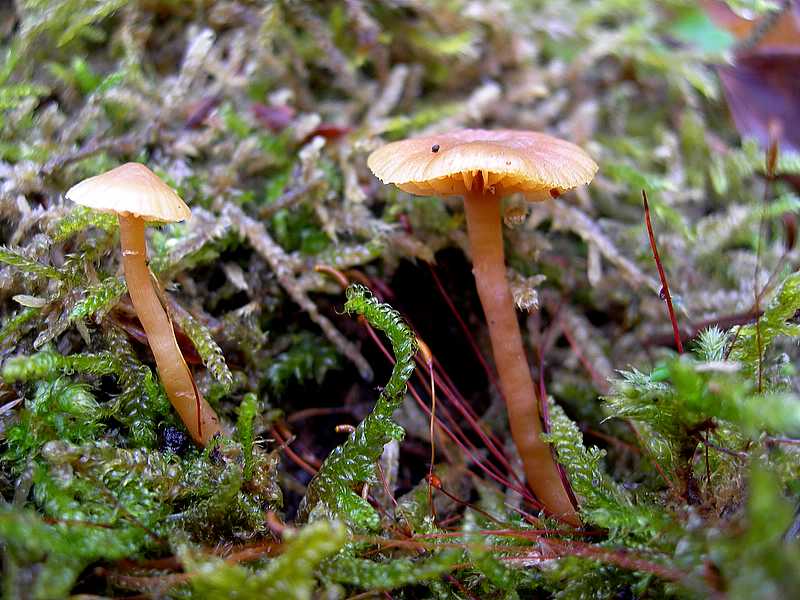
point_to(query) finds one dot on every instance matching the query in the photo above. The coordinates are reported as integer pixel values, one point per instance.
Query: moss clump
(353, 463)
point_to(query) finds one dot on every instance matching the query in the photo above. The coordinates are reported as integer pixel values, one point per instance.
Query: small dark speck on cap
(435, 148)
(555, 193)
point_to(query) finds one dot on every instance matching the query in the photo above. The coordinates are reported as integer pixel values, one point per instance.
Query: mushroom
(483, 166)
(137, 195)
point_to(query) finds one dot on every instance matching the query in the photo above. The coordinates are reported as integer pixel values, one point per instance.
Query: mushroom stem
(172, 368)
(488, 259)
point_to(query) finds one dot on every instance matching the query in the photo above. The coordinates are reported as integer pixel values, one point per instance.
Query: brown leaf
(784, 33)
(763, 87)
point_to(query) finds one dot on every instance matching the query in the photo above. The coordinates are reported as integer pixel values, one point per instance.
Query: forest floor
(677, 427)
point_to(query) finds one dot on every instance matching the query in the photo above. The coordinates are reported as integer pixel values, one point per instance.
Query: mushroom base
(486, 243)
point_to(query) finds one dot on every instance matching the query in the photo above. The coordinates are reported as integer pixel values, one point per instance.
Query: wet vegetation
(315, 306)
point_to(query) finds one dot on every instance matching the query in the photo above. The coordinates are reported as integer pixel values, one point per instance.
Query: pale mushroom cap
(131, 189)
(538, 165)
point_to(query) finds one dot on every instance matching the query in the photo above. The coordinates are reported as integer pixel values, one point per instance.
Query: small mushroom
(137, 196)
(483, 166)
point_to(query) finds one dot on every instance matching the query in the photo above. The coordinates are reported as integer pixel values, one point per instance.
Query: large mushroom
(137, 196)
(483, 166)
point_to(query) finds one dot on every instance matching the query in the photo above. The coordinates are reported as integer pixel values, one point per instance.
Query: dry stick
(664, 285)
(278, 260)
(771, 160)
(755, 313)
(289, 198)
(126, 144)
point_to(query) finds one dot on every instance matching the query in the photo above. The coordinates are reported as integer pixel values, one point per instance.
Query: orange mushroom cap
(532, 163)
(131, 189)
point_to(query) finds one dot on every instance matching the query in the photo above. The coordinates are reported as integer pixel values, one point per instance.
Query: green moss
(27, 265)
(80, 219)
(390, 574)
(687, 473)
(248, 410)
(290, 575)
(602, 501)
(307, 359)
(353, 462)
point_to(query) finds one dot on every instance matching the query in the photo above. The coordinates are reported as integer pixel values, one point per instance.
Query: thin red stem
(460, 440)
(467, 334)
(664, 285)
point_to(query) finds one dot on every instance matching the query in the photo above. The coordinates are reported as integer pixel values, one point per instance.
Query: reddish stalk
(385, 484)
(450, 393)
(655, 463)
(610, 439)
(438, 485)
(309, 413)
(467, 334)
(460, 440)
(464, 408)
(555, 548)
(466, 411)
(293, 456)
(458, 436)
(426, 356)
(664, 284)
(783, 440)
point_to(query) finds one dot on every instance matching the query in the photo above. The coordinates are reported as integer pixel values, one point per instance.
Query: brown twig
(664, 285)
(770, 162)
(119, 146)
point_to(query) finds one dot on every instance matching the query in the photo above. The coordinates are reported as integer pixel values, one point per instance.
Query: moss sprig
(353, 462)
(208, 349)
(27, 265)
(79, 219)
(290, 575)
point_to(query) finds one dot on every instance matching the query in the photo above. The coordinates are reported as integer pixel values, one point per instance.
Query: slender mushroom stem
(172, 368)
(488, 259)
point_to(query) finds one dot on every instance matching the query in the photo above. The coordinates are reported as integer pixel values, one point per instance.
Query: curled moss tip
(353, 463)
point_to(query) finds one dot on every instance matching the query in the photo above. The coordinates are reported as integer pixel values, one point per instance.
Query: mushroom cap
(131, 189)
(538, 165)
